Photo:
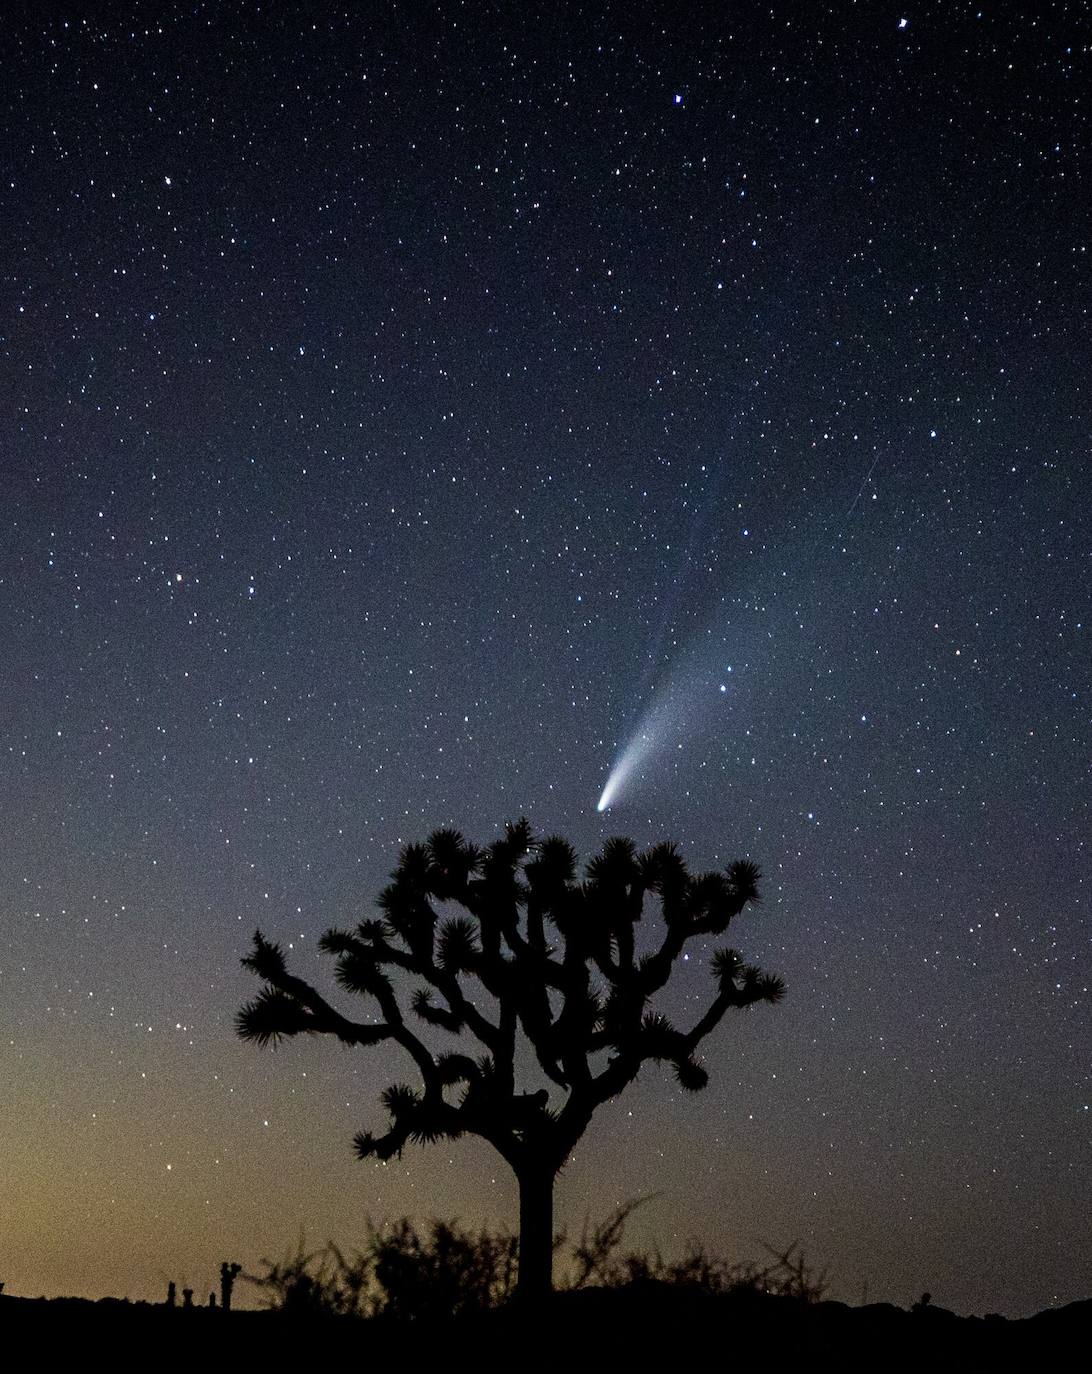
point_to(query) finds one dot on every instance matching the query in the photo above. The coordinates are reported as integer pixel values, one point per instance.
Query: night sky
(413, 412)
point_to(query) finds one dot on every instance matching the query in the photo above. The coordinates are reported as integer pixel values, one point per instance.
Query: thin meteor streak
(868, 475)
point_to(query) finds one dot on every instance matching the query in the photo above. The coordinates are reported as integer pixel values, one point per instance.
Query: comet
(687, 704)
(635, 753)
(665, 720)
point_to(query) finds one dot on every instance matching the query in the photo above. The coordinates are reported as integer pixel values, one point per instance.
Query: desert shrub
(322, 1282)
(596, 1262)
(445, 1271)
(402, 1273)
(409, 1273)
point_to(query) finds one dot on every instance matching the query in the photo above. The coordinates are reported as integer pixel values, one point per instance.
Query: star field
(404, 403)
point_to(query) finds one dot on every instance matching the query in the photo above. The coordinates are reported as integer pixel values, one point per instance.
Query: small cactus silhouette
(228, 1274)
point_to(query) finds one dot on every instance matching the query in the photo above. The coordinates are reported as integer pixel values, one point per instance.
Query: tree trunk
(536, 1232)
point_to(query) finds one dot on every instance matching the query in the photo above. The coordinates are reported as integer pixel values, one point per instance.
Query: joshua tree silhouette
(228, 1274)
(558, 956)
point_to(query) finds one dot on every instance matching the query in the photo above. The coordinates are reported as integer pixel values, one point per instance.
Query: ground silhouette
(560, 956)
(643, 1324)
(444, 1293)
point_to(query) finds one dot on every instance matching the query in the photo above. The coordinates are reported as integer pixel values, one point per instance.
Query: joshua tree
(558, 957)
(228, 1274)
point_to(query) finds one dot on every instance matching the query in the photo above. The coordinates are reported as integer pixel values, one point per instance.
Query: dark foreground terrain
(646, 1327)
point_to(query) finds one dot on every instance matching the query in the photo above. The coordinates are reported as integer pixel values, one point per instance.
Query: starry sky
(409, 407)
